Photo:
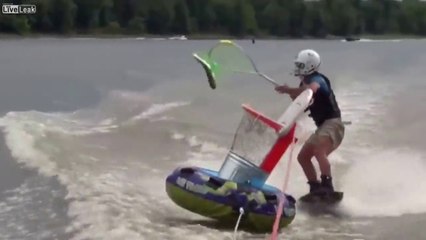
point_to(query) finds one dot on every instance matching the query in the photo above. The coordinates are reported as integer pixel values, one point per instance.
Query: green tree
(275, 19)
(14, 24)
(62, 13)
(41, 22)
(314, 23)
(159, 17)
(92, 14)
(182, 22)
(224, 12)
(340, 17)
(412, 17)
(137, 25)
(124, 11)
(245, 20)
(297, 11)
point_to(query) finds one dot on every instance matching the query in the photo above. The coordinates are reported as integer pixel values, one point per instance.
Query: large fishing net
(253, 139)
(223, 61)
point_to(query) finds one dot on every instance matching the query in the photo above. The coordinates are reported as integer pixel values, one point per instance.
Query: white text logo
(8, 8)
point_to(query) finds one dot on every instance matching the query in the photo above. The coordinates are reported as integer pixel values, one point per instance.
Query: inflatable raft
(201, 191)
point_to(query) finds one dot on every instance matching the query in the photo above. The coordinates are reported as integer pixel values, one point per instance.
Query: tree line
(292, 18)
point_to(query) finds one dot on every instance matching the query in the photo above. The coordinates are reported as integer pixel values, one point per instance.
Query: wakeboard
(326, 198)
(320, 205)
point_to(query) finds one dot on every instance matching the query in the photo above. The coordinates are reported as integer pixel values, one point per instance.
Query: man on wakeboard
(326, 114)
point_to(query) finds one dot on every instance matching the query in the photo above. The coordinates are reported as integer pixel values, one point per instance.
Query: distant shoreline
(204, 36)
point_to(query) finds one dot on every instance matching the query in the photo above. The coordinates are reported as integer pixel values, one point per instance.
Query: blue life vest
(324, 104)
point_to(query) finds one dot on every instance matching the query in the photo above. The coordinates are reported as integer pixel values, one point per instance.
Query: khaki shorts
(332, 128)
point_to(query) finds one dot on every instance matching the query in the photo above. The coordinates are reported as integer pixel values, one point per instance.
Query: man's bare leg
(320, 147)
(304, 158)
(321, 152)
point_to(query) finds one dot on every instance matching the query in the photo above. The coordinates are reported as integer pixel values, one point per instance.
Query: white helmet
(307, 62)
